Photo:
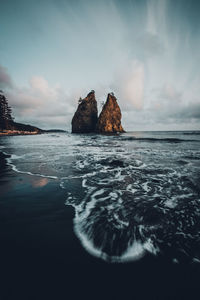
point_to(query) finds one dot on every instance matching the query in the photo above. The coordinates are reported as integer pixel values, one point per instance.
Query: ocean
(127, 203)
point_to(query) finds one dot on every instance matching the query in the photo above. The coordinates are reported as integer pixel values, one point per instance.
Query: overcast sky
(146, 51)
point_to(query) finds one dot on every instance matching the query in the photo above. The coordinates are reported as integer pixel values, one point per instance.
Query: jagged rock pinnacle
(110, 118)
(85, 117)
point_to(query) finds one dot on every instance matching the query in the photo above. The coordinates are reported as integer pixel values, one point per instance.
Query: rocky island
(85, 119)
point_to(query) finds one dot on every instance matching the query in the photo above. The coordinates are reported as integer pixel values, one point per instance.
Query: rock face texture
(85, 117)
(110, 118)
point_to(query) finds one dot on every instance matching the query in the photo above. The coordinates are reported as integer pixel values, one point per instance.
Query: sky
(52, 52)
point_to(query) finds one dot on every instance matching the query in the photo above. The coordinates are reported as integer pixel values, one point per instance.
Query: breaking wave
(130, 204)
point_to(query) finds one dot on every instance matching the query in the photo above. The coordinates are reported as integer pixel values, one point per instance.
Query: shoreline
(17, 132)
(20, 132)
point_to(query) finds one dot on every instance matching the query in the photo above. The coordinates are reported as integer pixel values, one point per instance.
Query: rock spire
(110, 118)
(85, 117)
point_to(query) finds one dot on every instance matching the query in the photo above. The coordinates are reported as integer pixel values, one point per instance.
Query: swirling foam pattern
(132, 194)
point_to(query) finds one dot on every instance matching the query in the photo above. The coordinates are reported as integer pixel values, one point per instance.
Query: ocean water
(133, 194)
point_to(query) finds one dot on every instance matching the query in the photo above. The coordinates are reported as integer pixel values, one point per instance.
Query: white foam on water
(129, 188)
(149, 246)
(91, 204)
(88, 245)
(14, 156)
(146, 187)
(14, 168)
(134, 252)
(196, 260)
(173, 201)
(170, 203)
(84, 210)
(120, 222)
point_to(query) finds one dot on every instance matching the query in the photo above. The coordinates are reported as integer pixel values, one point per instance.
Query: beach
(42, 256)
(16, 132)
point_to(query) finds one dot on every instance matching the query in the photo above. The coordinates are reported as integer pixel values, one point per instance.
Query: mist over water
(133, 194)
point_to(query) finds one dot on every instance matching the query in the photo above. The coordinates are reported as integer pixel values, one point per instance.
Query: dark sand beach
(42, 258)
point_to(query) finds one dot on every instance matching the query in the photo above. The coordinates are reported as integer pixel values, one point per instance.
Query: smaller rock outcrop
(85, 117)
(110, 118)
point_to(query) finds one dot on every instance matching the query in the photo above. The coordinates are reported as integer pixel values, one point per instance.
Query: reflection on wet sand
(39, 182)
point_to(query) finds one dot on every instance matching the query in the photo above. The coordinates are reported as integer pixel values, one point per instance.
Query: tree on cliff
(5, 112)
(80, 100)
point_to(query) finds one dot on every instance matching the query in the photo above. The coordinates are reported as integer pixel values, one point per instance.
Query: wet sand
(41, 258)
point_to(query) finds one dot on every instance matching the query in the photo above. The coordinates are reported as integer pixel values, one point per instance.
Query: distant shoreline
(20, 132)
(17, 132)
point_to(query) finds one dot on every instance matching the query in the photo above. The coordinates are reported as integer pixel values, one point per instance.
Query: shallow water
(133, 194)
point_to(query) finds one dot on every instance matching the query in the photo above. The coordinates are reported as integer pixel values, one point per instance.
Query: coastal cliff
(85, 117)
(109, 120)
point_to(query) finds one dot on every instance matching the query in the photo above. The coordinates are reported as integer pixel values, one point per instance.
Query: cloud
(150, 45)
(42, 105)
(129, 85)
(167, 108)
(169, 92)
(171, 108)
(5, 79)
(40, 84)
(188, 112)
(166, 99)
(39, 103)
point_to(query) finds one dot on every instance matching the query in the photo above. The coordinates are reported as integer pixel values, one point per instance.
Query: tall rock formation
(85, 117)
(110, 118)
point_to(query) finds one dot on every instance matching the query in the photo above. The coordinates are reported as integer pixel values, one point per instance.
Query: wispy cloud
(147, 52)
(5, 78)
(39, 103)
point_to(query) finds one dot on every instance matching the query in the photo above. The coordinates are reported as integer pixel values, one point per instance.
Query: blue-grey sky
(146, 51)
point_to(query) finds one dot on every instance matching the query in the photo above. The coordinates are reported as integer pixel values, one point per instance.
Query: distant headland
(7, 124)
(9, 127)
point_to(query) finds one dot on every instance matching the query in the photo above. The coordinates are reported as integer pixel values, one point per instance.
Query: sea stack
(110, 118)
(85, 117)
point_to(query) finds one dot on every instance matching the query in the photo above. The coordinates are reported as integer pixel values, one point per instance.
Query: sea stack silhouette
(109, 120)
(85, 119)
